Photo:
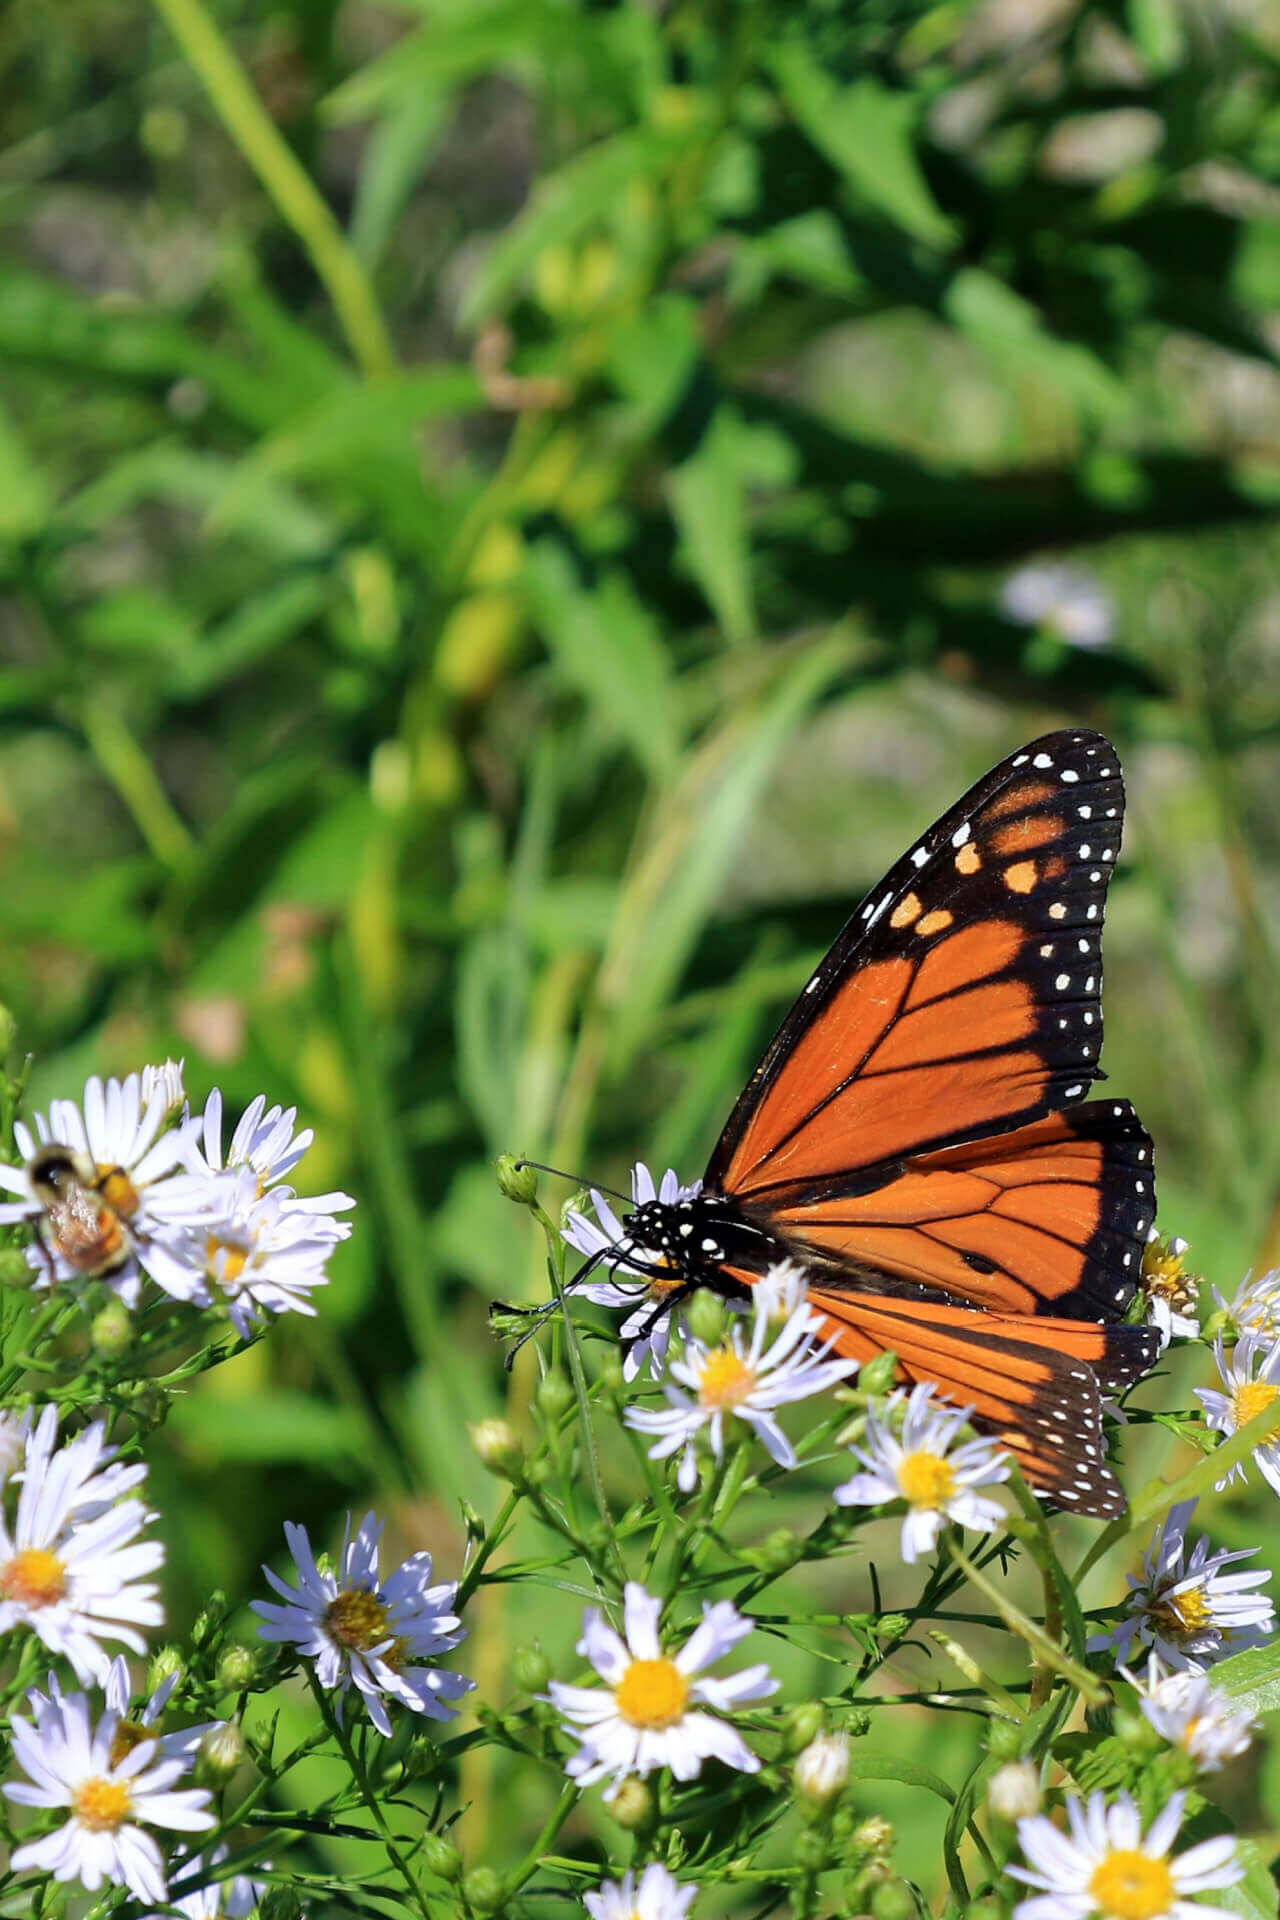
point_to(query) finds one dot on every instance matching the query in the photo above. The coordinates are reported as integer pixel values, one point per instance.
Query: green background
(502, 515)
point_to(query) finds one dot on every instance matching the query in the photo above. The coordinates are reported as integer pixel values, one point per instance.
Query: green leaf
(886, 1766)
(25, 497)
(708, 504)
(608, 647)
(1252, 1678)
(1012, 332)
(1256, 1896)
(868, 132)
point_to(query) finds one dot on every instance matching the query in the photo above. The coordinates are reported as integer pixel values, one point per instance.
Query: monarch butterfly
(915, 1135)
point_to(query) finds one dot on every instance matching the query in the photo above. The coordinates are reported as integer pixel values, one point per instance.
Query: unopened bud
(1004, 1740)
(779, 1550)
(988, 1908)
(482, 1890)
(801, 1724)
(893, 1900)
(237, 1665)
(707, 1317)
(1013, 1792)
(497, 1446)
(811, 1849)
(441, 1857)
(530, 1669)
(516, 1179)
(879, 1374)
(211, 1617)
(579, 1202)
(280, 1903)
(822, 1770)
(165, 1663)
(15, 1269)
(1135, 1731)
(111, 1334)
(554, 1394)
(220, 1754)
(892, 1626)
(632, 1805)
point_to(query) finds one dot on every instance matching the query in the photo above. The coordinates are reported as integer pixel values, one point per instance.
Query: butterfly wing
(962, 999)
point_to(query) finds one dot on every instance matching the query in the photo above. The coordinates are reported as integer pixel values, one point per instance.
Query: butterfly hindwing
(962, 999)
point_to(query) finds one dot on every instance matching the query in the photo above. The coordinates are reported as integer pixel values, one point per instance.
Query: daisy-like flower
(1256, 1307)
(109, 1801)
(1190, 1610)
(659, 1896)
(264, 1141)
(1106, 1865)
(71, 1565)
(648, 1713)
(1251, 1377)
(1171, 1292)
(129, 1150)
(234, 1898)
(741, 1381)
(135, 1726)
(1065, 601)
(606, 1235)
(259, 1253)
(920, 1467)
(368, 1633)
(1188, 1711)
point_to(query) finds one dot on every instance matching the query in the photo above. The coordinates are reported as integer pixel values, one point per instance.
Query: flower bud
(211, 1617)
(707, 1317)
(988, 1908)
(280, 1903)
(530, 1669)
(1004, 1740)
(497, 1446)
(874, 1836)
(892, 1626)
(516, 1180)
(801, 1724)
(220, 1754)
(237, 1665)
(440, 1856)
(779, 1550)
(165, 1662)
(1136, 1732)
(811, 1849)
(579, 1202)
(1013, 1792)
(822, 1770)
(111, 1334)
(893, 1900)
(554, 1395)
(633, 1805)
(879, 1374)
(15, 1268)
(482, 1890)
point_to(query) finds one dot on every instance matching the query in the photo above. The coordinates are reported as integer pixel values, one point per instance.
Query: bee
(86, 1209)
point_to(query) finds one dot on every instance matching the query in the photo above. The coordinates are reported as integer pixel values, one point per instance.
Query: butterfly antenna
(579, 1180)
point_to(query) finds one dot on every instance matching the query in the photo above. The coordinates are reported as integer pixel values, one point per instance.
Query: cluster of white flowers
(144, 1187)
(1187, 1608)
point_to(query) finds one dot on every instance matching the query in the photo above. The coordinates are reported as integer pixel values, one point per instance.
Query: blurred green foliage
(502, 516)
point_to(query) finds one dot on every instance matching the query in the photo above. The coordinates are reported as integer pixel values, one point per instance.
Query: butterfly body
(918, 1137)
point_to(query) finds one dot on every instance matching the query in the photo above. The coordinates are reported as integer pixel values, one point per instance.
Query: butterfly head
(696, 1238)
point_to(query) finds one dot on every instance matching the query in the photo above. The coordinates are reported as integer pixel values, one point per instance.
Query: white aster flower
(1188, 1711)
(259, 1253)
(1256, 1307)
(734, 1380)
(71, 1564)
(109, 1799)
(143, 1723)
(822, 1769)
(646, 1338)
(15, 1430)
(782, 1292)
(647, 1714)
(130, 1151)
(166, 1079)
(365, 1632)
(1066, 601)
(265, 1142)
(918, 1466)
(659, 1896)
(1190, 1611)
(1251, 1377)
(1171, 1292)
(1106, 1865)
(233, 1898)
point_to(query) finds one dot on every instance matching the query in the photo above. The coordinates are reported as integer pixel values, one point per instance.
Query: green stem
(285, 179)
(137, 783)
(492, 1540)
(559, 1814)
(368, 1796)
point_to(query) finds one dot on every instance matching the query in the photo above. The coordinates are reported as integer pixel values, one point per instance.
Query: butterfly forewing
(962, 999)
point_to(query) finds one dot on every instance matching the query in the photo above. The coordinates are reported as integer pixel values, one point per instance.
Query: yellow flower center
(102, 1805)
(1127, 1885)
(34, 1578)
(926, 1479)
(726, 1379)
(233, 1266)
(652, 1693)
(128, 1735)
(358, 1619)
(1183, 1614)
(1255, 1396)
